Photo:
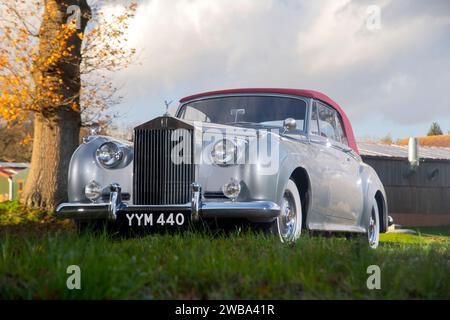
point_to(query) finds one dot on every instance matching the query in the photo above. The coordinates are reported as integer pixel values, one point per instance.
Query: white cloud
(186, 46)
(339, 40)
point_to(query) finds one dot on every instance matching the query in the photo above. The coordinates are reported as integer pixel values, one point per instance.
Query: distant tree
(435, 130)
(387, 139)
(113, 129)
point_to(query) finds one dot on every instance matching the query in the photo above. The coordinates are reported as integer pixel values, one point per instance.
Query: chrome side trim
(249, 210)
(336, 227)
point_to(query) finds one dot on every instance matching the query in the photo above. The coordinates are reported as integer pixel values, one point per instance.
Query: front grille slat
(144, 190)
(153, 140)
(166, 168)
(157, 180)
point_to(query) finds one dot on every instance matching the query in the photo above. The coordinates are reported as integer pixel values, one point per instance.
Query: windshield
(263, 110)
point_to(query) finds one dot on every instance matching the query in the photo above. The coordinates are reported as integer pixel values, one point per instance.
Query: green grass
(199, 265)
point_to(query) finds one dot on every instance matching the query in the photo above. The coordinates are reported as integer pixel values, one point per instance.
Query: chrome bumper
(253, 210)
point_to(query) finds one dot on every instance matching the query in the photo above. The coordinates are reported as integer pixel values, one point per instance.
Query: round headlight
(109, 154)
(224, 152)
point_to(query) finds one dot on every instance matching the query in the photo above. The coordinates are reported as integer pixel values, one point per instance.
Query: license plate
(155, 219)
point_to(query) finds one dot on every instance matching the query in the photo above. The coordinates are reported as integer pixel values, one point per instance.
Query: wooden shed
(416, 197)
(13, 178)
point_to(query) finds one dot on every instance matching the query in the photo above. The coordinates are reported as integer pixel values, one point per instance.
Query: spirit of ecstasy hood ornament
(167, 103)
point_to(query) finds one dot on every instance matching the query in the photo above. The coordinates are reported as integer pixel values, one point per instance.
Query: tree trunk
(56, 128)
(55, 140)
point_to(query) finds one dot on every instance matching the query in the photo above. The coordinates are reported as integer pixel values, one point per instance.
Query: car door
(323, 171)
(351, 193)
(336, 192)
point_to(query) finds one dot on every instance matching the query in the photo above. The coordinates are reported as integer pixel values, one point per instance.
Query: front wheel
(373, 228)
(288, 225)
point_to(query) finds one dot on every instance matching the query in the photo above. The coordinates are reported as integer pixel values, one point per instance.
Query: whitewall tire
(289, 224)
(373, 228)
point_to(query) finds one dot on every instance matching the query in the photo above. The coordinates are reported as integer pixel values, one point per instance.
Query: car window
(263, 110)
(195, 114)
(342, 137)
(327, 123)
(314, 121)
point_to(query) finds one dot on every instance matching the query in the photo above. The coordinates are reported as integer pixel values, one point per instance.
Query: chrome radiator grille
(157, 179)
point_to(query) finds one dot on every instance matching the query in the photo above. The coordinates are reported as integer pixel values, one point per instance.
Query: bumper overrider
(252, 210)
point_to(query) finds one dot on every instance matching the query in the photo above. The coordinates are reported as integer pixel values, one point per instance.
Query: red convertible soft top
(295, 92)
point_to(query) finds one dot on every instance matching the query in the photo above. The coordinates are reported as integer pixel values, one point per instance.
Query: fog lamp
(232, 189)
(93, 190)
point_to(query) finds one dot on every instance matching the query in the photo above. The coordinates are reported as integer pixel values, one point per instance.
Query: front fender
(294, 158)
(372, 184)
(84, 168)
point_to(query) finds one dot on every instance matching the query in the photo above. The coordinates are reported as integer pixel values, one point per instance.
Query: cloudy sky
(389, 71)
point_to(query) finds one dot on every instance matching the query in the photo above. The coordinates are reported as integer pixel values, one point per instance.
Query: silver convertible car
(280, 159)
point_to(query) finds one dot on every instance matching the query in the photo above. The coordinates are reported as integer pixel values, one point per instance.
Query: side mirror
(94, 129)
(289, 124)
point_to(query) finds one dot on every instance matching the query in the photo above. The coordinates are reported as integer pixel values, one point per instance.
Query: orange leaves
(16, 61)
(30, 75)
(12, 102)
(33, 71)
(430, 141)
(10, 114)
(60, 48)
(75, 107)
(26, 140)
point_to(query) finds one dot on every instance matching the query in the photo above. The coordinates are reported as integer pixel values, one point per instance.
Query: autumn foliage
(56, 57)
(25, 85)
(430, 141)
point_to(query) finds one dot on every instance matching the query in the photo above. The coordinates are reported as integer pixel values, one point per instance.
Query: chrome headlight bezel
(109, 154)
(224, 152)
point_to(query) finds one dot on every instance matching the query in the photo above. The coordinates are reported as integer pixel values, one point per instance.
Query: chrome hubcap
(372, 229)
(288, 217)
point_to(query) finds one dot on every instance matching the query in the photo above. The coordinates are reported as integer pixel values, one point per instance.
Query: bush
(387, 139)
(14, 213)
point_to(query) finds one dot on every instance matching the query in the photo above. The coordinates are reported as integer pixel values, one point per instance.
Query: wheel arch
(303, 183)
(373, 190)
(382, 210)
